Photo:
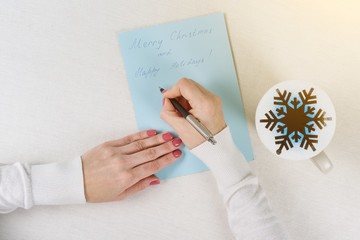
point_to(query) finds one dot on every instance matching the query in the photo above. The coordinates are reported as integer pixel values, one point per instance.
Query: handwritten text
(180, 34)
(146, 72)
(140, 43)
(187, 63)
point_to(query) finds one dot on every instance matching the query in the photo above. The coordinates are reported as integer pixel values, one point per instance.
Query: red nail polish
(167, 136)
(176, 142)
(151, 132)
(164, 91)
(177, 153)
(155, 182)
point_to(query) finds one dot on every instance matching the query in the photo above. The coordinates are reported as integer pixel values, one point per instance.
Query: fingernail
(164, 91)
(163, 101)
(167, 136)
(177, 153)
(155, 182)
(151, 132)
(176, 142)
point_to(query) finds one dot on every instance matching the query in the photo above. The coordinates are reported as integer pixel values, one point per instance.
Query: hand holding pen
(203, 106)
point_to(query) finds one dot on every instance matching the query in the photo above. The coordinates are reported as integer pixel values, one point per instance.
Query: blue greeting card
(196, 48)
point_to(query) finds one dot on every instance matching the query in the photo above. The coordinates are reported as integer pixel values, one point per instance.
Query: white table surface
(63, 90)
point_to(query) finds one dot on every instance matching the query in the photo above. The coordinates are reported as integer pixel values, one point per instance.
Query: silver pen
(192, 120)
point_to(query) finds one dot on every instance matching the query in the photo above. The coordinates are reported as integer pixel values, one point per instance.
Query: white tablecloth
(63, 90)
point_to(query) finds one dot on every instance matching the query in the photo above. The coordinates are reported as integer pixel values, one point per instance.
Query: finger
(171, 116)
(183, 102)
(132, 138)
(153, 153)
(169, 108)
(139, 186)
(146, 143)
(186, 88)
(155, 166)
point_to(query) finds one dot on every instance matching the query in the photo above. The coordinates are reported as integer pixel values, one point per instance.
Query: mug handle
(323, 162)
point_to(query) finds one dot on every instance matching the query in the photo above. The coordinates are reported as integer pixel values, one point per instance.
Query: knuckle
(138, 135)
(139, 146)
(154, 166)
(128, 140)
(169, 158)
(168, 147)
(132, 138)
(183, 81)
(151, 153)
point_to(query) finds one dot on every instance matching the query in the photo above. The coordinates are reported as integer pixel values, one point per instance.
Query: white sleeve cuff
(15, 189)
(224, 160)
(58, 183)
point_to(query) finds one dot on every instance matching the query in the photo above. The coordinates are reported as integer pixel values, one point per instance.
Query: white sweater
(250, 216)
(249, 213)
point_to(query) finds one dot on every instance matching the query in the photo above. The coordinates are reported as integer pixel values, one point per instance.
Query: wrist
(224, 160)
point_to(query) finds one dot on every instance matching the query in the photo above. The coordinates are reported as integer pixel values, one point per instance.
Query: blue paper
(196, 48)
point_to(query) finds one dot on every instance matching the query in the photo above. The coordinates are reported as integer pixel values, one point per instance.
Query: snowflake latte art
(295, 120)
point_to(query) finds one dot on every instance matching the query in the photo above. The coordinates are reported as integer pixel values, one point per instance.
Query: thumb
(167, 106)
(169, 114)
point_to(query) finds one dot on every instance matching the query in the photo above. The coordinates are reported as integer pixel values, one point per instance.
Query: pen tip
(161, 89)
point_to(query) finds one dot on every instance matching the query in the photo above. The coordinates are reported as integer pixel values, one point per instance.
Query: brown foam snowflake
(295, 120)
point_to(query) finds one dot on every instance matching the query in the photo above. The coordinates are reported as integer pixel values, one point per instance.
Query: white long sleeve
(249, 213)
(250, 216)
(22, 186)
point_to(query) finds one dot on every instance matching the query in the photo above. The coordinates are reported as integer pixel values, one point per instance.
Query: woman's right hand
(201, 103)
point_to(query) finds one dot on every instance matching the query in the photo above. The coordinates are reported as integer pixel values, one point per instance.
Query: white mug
(296, 121)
